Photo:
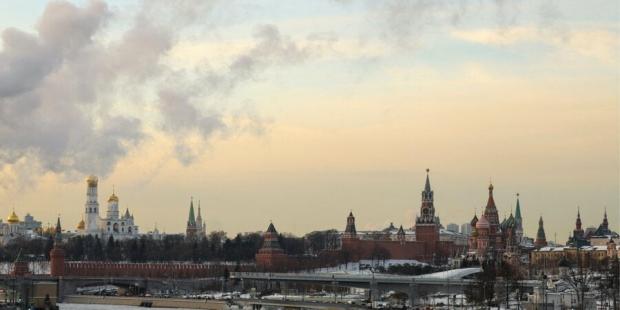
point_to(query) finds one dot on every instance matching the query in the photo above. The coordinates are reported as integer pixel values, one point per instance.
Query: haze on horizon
(300, 111)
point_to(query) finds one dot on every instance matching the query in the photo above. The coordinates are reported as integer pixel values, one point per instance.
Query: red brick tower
(541, 239)
(271, 257)
(57, 255)
(350, 232)
(20, 267)
(427, 225)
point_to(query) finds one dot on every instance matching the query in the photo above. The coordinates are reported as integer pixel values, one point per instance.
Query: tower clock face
(425, 211)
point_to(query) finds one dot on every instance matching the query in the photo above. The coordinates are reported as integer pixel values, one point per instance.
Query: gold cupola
(13, 218)
(92, 181)
(113, 197)
(81, 225)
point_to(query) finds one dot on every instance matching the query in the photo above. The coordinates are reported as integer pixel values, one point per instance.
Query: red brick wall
(418, 250)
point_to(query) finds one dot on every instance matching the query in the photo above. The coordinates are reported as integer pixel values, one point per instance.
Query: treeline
(214, 247)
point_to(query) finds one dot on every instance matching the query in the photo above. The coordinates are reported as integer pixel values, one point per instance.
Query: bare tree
(580, 279)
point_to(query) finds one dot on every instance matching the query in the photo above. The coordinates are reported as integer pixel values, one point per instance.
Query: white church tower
(112, 207)
(92, 206)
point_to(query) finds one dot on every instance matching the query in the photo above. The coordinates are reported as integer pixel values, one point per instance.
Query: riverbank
(174, 303)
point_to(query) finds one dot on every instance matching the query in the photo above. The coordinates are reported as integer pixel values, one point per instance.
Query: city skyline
(270, 111)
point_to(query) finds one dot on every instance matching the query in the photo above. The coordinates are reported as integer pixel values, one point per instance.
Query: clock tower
(427, 224)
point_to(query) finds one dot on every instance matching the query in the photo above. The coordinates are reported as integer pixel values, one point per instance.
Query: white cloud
(599, 44)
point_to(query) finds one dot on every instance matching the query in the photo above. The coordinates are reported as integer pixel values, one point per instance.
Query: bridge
(451, 281)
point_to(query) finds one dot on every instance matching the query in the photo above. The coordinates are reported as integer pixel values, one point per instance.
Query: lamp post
(543, 278)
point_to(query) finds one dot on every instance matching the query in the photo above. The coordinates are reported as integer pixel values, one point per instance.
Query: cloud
(599, 44)
(76, 98)
(403, 23)
(58, 87)
(270, 48)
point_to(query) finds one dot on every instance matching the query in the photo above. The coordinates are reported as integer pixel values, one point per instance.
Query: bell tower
(91, 207)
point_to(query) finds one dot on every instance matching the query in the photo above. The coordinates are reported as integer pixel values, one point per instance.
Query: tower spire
(427, 186)
(192, 218)
(541, 239)
(605, 223)
(427, 210)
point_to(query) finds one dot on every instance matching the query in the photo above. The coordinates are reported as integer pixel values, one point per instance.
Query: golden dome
(81, 225)
(13, 218)
(92, 180)
(113, 198)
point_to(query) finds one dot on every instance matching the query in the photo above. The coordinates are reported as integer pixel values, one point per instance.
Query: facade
(196, 227)
(113, 224)
(551, 259)
(489, 237)
(423, 243)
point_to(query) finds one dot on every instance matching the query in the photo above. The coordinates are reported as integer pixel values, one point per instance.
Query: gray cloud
(59, 86)
(403, 23)
(179, 104)
(271, 48)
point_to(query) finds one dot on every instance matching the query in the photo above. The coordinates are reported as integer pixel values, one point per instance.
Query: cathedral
(14, 228)
(113, 224)
(490, 238)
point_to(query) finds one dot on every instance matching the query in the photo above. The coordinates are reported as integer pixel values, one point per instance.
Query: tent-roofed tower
(518, 221)
(271, 256)
(191, 228)
(541, 238)
(201, 227)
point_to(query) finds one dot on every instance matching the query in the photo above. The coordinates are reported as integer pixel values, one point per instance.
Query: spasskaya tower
(427, 224)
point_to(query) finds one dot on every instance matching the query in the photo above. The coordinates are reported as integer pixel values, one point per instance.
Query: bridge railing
(147, 270)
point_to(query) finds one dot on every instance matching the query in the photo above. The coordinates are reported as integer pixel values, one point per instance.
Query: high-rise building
(466, 229)
(453, 227)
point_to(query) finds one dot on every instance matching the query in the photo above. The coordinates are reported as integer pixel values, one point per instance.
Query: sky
(298, 112)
